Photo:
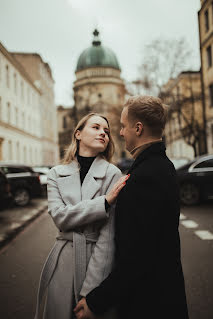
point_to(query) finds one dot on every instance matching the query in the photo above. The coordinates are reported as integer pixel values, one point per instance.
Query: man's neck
(141, 147)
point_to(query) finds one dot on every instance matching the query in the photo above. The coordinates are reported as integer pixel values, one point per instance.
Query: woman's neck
(87, 153)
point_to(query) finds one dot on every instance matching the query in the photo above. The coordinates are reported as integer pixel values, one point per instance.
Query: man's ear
(139, 128)
(78, 135)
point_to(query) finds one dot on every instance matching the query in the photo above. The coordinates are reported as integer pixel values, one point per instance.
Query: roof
(97, 56)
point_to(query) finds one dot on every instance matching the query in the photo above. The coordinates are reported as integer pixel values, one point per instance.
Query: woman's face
(94, 137)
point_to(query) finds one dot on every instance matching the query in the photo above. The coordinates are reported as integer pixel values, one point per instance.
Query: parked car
(178, 162)
(24, 182)
(5, 194)
(196, 180)
(124, 164)
(42, 171)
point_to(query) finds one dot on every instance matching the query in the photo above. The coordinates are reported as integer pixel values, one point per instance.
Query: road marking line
(2, 237)
(189, 224)
(204, 234)
(15, 225)
(24, 218)
(182, 216)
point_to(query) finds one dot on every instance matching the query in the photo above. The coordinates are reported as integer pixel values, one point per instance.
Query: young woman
(81, 196)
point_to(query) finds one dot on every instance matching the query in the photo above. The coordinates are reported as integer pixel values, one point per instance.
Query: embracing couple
(117, 253)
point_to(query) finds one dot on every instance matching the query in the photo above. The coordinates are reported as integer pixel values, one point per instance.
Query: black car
(24, 182)
(5, 194)
(196, 180)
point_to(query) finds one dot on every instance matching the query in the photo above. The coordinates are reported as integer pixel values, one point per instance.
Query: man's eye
(96, 127)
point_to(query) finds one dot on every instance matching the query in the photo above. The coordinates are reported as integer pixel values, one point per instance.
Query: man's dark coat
(147, 280)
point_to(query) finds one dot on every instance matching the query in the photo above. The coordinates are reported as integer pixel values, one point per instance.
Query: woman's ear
(78, 135)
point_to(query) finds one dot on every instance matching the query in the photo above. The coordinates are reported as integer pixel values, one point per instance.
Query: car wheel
(21, 197)
(189, 194)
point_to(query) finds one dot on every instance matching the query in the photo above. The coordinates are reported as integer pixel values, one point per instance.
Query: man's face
(127, 130)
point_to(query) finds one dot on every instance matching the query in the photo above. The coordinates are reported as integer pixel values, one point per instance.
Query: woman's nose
(103, 133)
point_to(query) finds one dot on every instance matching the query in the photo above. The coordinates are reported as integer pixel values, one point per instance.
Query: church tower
(99, 87)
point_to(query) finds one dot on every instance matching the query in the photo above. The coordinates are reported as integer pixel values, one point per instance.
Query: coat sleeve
(69, 217)
(101, 261)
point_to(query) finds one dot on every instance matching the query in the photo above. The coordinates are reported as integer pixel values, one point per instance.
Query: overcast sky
(59, 30)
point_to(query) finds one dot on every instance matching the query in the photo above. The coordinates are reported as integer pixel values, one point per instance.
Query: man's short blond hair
(149, 110)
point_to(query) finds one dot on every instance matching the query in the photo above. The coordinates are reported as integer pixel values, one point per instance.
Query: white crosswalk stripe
(182, 217)
(204, 234)
(189, 224)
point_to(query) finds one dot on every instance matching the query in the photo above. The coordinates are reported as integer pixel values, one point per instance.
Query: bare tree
(162, 60)
(190, 121)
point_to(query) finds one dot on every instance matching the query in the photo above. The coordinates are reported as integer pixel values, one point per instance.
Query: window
(206, 14)
(211, 94)
(212, 133)
(209, 56)
(64, 122)
(17, 151)
(8, 112)
(10, 155)
(205, 164)
(25, 154)
(7, 76)
(28, 95)
(23, 121)
(15, 82)
(16, 116)
(22, 89)
(212, 12)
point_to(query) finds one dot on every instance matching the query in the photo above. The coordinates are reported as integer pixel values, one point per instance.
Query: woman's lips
(101, 140)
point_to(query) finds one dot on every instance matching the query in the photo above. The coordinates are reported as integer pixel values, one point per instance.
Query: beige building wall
(42, 77)
(179, 90)
(20, 113)
(205, 16)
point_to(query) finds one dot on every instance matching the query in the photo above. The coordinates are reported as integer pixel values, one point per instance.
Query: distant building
(184, 131)
(205, 16)
(20, 113)
(66, 124)
(41, 75)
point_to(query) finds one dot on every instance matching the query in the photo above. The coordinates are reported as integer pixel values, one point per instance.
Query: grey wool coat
(82, 256)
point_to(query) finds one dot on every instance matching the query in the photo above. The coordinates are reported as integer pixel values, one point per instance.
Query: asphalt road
(21, 262)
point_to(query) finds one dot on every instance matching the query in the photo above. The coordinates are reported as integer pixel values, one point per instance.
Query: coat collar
(97, 169)
(69, 180)
(156, 148)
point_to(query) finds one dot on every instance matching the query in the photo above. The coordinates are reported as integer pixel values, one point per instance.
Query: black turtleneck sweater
(85, 163)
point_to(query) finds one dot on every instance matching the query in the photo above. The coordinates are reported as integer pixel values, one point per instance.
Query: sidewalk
(14, 219)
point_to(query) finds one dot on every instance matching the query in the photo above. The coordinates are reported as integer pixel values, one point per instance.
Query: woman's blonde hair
(72, 150)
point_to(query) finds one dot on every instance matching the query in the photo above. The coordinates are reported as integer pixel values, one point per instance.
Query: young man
(147, 280)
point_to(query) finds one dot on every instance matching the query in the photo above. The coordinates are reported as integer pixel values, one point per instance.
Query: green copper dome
(97, 55)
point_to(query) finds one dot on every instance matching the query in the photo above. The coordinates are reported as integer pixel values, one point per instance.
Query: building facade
(20, 109)
(41, 75)
(66, 124)
(184, 131)
(205, 16)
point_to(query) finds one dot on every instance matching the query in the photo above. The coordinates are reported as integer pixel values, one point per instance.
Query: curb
(7, 237)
